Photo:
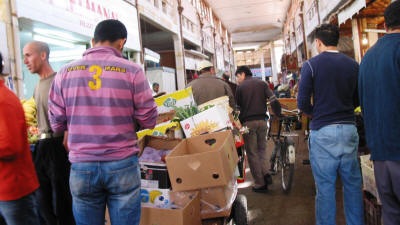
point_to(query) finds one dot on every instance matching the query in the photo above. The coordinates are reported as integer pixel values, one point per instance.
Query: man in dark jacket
(251, 97)
(379, 89)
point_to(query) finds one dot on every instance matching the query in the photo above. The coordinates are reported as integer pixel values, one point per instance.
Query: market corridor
(296, 208)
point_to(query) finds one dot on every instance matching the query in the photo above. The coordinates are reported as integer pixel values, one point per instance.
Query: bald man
(50, 156)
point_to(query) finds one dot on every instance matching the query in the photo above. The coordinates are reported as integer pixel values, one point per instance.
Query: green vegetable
(185, 112)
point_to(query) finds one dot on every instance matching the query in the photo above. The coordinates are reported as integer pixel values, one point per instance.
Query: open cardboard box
(155, 175)
(165, 117)
(203, 161)
(188, 215)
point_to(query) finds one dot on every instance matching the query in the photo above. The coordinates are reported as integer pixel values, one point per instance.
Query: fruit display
(29, 107)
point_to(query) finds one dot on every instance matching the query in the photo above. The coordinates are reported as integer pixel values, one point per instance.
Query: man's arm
(228, 92)
(275, 104)
(145, 109)
(57, 115)
(305, 90)
(238, 98)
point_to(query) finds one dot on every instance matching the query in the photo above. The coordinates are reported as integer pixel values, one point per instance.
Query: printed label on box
(154, 197)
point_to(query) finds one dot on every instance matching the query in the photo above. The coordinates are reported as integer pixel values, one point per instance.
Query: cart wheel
(239, 210)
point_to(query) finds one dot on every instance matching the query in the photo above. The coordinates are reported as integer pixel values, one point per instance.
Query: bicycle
(284, 145)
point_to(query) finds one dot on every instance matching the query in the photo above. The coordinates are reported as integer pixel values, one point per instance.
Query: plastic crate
(368, 174)
(372, 210)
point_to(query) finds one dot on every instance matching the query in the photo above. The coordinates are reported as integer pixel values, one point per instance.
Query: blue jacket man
(379, 89)
(331, 78)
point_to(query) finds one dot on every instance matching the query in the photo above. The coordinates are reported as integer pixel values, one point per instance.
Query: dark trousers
(256, 150)
(53, 196)
(387, 176)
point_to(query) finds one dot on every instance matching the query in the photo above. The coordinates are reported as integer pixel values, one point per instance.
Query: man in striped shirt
(97, 99)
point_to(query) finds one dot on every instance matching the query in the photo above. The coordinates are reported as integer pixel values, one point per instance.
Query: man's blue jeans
(333, 150)
(20, 212)
(117, 183)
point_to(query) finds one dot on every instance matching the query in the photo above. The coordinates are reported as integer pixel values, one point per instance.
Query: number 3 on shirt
(95, 85)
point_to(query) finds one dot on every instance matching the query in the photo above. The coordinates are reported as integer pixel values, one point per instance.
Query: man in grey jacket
(208, 87)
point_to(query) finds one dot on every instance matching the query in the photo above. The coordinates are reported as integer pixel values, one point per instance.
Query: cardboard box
(155, 197)
(155, 175)
(180, 98)
(368, 175)
(188, 215)
(210, 120)
(165, 117)
(203, 161)
(217, 202)
(170, 129)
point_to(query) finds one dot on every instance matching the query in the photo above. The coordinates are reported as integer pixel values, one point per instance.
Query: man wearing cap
(208, 87)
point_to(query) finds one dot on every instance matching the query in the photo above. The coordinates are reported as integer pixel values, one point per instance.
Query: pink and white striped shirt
(97, 99)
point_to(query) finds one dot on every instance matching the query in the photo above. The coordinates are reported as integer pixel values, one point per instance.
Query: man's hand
(65, 141)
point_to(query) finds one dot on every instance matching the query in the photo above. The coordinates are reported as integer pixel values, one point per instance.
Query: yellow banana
(153, 195)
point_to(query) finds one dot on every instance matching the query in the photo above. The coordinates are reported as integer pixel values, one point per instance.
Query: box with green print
(166, 103)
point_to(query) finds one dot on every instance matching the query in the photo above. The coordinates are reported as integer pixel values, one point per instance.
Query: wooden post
(304, 31)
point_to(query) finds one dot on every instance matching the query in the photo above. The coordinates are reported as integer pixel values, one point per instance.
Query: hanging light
(364, 40)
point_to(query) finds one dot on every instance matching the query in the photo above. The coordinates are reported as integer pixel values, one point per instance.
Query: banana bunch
(153, 195)
(29, 107)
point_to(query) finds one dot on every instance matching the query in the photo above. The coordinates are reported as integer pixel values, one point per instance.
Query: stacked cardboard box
(206, 163)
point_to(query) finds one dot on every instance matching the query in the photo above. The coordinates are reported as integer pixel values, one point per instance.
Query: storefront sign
(82, 16)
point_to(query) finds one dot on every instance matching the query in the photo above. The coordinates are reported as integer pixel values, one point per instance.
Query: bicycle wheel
(287, 164)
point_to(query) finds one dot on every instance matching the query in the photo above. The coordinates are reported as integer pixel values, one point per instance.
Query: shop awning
(351, 10)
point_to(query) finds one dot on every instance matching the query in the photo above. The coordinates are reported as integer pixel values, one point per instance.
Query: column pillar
(273, 63)
(182, 45)
(262, 65)
(356, 40)
(179, 61)
(14, 62)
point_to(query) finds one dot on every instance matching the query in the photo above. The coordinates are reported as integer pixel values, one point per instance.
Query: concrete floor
(296, 208)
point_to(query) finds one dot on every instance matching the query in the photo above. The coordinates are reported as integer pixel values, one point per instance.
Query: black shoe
(263, 189)
(267, 178)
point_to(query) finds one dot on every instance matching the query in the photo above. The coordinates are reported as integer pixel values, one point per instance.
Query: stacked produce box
(186, 180)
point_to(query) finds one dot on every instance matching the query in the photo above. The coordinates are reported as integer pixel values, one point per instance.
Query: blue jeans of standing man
(117, 183)
(20, 212)
(333, 150)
